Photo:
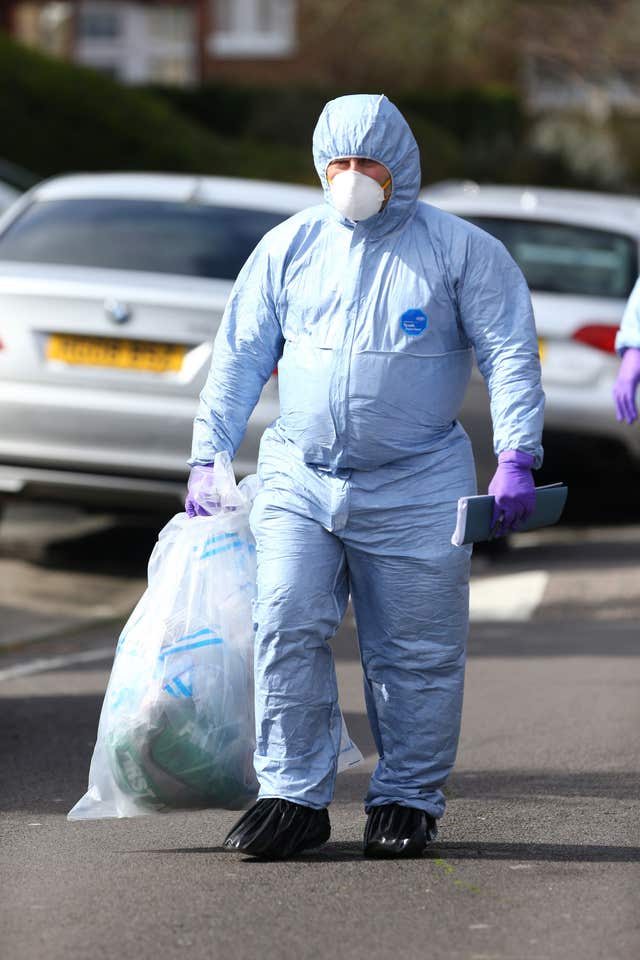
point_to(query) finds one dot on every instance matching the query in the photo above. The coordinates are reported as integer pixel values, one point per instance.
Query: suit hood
(369, 125)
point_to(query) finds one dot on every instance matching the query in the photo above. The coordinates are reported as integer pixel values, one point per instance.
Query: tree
(408, 44)
(404, 44)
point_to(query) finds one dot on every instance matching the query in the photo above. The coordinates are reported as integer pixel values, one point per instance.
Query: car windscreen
(162, 237)
(563, 258)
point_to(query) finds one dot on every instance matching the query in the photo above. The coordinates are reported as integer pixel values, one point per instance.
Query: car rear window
(149, 235)
(561, 258)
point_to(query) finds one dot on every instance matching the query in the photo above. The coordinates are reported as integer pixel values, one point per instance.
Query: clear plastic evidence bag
(177, 723)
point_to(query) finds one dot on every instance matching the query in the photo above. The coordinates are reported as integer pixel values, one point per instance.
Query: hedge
(59, 117)
(450, 127)
(480, 134)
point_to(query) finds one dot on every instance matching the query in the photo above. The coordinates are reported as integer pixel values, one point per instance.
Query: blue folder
(475, 513)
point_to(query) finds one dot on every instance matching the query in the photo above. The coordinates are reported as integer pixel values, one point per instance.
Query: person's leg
(301, 599)
(409, 588)
(302, 594)
(412, 625)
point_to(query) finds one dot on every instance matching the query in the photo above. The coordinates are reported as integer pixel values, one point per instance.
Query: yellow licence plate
(541, 348)
(113, 352)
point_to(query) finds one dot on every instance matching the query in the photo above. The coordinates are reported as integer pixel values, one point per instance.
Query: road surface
(539, 852)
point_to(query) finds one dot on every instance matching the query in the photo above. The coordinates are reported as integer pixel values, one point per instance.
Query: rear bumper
(91, 489)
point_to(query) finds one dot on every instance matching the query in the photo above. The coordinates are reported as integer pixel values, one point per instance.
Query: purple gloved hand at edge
(626, 385)
(202, 497)
(514, 491)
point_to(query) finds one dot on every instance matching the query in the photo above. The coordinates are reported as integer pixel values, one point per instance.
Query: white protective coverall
(629, 333)
(373, 325)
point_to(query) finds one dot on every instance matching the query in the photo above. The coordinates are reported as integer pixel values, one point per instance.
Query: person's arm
(628, 346)
(497, 316)
(245, 354)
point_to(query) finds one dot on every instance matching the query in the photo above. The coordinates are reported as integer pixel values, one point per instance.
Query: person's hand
(514, 491)
(626, 385)
(203, 497)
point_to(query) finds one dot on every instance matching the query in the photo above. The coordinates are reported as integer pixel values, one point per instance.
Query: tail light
(602, 336)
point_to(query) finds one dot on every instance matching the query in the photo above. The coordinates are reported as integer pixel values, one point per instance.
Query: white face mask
(355, 195)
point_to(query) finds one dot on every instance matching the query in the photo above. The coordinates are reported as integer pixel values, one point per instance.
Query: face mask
(355, 195)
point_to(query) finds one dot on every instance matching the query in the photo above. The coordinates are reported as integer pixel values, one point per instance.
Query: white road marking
(514, 596)
(43, 664)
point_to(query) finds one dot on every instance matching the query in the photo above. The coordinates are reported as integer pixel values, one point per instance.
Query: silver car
(579, 253)
(112, 287)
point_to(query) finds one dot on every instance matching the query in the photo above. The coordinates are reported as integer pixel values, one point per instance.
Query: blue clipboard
(475, 513)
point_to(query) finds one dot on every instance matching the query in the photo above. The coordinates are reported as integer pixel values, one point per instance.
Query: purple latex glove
(514, 491)
(624, 389)
(203, 498)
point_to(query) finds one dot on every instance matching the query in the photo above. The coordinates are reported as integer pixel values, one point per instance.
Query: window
(99, 21)
(561, 258)
(253, 28)
(171, 24)
(171, 48)
(142, 42)
(149, 235)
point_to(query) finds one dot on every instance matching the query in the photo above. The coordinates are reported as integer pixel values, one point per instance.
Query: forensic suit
(373, 326)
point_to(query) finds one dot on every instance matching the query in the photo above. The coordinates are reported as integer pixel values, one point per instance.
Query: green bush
(458, 131)
(480, 114)
(58, 117)
(479, 134)
(283, 115)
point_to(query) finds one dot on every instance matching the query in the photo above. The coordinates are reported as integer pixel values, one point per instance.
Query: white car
(112, 288)
(579, 253)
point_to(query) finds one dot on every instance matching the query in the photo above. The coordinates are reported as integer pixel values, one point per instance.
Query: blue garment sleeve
(246, 351)
(497, 316)
(629, 333)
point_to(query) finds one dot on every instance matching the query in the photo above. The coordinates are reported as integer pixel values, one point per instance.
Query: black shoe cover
(277, 829)
(396, 831)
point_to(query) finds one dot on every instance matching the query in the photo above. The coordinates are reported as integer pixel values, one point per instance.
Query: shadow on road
(564, 638)
(125, 540)
(540, 852)
(579, 553)
(535, 638)
(531, 786)
(555, 852)
(122, 549)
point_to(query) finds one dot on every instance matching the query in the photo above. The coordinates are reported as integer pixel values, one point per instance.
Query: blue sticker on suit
(414, 322)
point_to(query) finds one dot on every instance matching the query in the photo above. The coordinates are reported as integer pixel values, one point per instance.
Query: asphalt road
(538, 855)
